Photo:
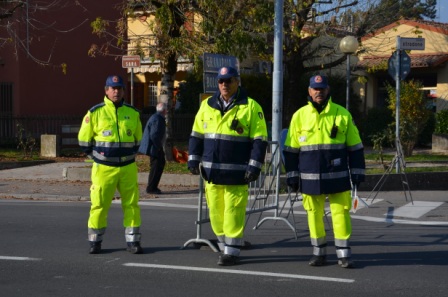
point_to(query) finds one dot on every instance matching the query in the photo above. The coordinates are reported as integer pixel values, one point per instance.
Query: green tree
(414, 113)
(388, 11)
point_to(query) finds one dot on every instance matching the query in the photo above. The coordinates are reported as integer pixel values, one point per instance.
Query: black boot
(134, 247)
(95, 247)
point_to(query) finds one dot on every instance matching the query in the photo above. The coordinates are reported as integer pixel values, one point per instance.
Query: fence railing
(35, 126)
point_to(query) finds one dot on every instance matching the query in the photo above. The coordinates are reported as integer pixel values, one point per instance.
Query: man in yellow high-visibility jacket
(110, 134)
(323, 156)
(228, 141)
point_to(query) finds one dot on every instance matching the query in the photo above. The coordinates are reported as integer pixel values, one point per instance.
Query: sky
(442, 11)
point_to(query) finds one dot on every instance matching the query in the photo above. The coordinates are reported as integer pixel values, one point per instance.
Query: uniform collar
(239, 98)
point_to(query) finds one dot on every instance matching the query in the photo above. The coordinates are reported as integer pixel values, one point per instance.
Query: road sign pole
(397, 91)
(132, 86)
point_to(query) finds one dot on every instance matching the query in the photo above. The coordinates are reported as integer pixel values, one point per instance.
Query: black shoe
(95, 247)
(318, 261)
(346, 263)
(155, 192)
(134, 248)
(227, 260)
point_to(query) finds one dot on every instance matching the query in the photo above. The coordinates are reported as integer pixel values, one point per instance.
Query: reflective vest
(111, 135)
(226, 151)
(324, 163)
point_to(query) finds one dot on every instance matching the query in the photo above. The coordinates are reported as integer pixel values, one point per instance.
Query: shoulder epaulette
(97, 106)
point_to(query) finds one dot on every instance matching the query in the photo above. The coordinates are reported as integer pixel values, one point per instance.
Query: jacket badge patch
(239, 130)
(302, 138)
(87, 120)
(205, 125)
(128, 132)
(107, 133)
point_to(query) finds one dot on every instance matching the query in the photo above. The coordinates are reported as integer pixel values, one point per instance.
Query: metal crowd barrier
(264, 196)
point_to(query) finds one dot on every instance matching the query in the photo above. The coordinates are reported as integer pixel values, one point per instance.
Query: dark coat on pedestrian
(153, 136)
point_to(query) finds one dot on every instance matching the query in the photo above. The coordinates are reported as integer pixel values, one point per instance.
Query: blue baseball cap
(318, 82)
(114, 81)
(227, 72)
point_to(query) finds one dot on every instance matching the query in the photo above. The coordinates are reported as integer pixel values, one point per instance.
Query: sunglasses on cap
(225, 80)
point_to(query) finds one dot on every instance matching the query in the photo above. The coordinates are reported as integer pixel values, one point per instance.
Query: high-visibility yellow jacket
(111, 135)
(324, 163)
(227, 151)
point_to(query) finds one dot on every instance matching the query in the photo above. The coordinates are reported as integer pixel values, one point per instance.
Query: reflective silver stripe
(112, 159)
(328, 146)
(318, 241)
(355, 147)
(224, 166)
(264, 138)
(197, 134)
(357, 171)
(228, 250)
(319, 251)
(114, 144)
(255, 163)
(226, 137)
(291, 149)
(334, 175)
(312, 176)
(292, 174)
(96, 235)
(341, 242)
(85, 143)
(234, 241)
(132, 234)
(329, 175)
(343, 253)
(194, 158)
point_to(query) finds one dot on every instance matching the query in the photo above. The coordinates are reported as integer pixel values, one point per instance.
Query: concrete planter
(440, 142)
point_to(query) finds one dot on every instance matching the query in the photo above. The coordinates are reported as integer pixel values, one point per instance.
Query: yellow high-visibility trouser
(340, 204)
(227, 209)
(105, 181)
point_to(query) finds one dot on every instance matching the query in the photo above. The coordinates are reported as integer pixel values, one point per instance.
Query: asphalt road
(43, 252)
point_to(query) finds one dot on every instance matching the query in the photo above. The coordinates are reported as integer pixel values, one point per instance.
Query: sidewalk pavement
(71, 182)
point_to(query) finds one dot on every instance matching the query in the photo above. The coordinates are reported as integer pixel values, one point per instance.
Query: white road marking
(19, 258)
(243, 272)
(414, 211)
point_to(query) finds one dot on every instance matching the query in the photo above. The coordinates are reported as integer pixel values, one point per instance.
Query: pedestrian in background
(228, 143)
(324, 155)
(110, 134)
(152, 144)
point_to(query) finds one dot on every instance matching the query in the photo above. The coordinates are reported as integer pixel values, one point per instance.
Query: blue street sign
(404, 65)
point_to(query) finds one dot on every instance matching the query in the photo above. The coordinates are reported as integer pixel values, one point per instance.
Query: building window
(5, 98)
(152, 87)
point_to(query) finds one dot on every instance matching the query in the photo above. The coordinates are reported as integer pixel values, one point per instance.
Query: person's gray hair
(161, 107)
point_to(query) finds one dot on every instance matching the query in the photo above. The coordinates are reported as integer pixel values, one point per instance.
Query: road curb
(425, 181)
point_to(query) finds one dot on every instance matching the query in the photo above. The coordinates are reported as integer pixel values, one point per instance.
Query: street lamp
(348, 46)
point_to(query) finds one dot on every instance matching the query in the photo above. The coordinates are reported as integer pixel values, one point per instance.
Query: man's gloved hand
(250, 176)
(194, 170)
(293, 183)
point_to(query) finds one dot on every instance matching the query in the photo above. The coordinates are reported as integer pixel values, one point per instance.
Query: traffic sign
(404, 65)
(411, 43)
(212, 64)
(130, 61)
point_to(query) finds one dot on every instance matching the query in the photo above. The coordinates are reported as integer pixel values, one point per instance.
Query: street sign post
(399, 67)
(131, 62)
